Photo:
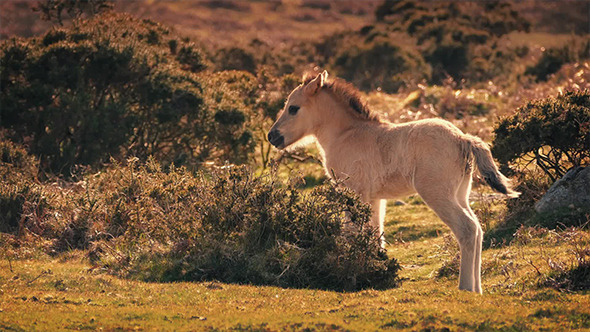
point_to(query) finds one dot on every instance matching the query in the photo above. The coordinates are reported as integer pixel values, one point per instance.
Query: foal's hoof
(478, 291)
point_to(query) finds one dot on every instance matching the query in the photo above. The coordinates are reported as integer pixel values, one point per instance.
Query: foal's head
(299, 116)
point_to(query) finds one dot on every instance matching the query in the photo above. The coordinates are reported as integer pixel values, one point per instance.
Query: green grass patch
(76, 295)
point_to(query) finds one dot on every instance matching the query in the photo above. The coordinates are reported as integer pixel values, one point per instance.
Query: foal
(381, 160)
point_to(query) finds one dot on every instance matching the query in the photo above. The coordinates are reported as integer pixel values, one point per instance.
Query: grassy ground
(67, 293)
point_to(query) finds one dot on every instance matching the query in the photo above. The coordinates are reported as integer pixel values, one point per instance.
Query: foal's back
(382, 159)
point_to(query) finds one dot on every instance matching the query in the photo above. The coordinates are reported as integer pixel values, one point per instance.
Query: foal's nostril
(275, 138)
(273, 134)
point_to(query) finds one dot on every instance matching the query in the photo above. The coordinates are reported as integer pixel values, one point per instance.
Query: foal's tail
(487, 168)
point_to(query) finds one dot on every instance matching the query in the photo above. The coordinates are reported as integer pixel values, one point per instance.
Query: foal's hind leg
(444, 203)
(463, 200)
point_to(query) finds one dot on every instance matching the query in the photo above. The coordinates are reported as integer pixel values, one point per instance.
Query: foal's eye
(293, 109)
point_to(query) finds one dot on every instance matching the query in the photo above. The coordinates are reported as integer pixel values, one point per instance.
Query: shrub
(258, 55)
(553, 133)
(141, 222)
(448, 58)
(230, 99)
(15, 163)
(53, 10)
(499, 19)
(110, 86)
(235, 58)
(373, 62)
(391, 7)
(450, 35)
(495, 18)
(188, 56)
(17, 171)
(23, 201)
(243, 107)
(234, 227)
(549, 63)
(554, 58)
(13, 199)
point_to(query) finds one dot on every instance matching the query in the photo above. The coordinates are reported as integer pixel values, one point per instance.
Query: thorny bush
(554, 133)
(457, 39)
(138, 221)
(116, 86)
(18, 170)
(232, 226)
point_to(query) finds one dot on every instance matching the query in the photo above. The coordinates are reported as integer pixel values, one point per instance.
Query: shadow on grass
(310, 273)
(412, 233)
(503, 233)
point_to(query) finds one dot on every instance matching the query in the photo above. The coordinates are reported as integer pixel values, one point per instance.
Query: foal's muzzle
(275, 138)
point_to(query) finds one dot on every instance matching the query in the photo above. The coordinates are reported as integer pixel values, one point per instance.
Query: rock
(572, 190)
(399, 203)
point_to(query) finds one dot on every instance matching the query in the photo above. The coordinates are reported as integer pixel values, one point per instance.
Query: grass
(67, 293)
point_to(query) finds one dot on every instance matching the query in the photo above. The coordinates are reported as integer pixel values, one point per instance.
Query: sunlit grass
(68, 293)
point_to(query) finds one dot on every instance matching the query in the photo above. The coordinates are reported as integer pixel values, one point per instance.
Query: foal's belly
(394, 186)
(370, 185)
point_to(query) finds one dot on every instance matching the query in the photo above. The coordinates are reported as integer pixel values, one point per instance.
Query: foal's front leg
(378, 216)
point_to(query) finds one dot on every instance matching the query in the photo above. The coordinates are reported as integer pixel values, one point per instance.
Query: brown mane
(349, 95)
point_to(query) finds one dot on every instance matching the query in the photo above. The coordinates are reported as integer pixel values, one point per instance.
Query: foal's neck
(335, 120)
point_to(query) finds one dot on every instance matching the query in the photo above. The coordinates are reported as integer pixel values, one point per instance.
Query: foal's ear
(314, 85)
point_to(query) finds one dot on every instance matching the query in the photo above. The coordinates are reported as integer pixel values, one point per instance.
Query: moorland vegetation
(143, 152)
